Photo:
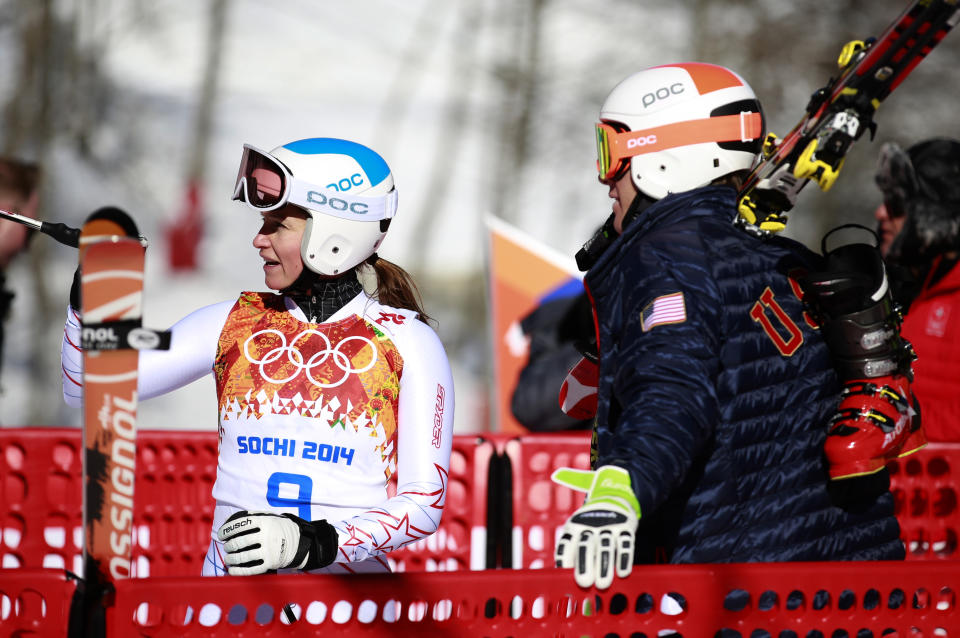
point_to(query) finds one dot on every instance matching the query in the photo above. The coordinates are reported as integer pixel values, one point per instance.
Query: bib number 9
(304, 488)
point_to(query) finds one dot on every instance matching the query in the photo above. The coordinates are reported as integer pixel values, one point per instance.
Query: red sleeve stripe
(79, 384)
(66, 338)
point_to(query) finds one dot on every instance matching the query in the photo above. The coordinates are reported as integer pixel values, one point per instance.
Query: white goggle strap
(342, 205)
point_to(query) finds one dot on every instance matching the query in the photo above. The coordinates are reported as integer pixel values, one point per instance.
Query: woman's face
(622, 191)
(279, 245)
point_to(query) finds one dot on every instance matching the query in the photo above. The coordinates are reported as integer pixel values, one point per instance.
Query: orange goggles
(614, 148)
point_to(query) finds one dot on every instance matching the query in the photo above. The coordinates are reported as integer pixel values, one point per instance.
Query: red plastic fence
(745, 600)
(540, 506)
(856, 599)
(35, 602)
(40, 471)
(173, 510)
(39, 484)
(925, 486)
(41, 518)
(460, 541)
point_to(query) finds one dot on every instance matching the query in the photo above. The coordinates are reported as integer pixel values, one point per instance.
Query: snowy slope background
(479, 106)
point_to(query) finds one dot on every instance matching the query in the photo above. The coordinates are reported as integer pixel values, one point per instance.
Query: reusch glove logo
(241, 523)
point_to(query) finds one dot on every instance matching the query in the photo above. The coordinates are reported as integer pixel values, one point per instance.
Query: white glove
(259, 542)
(597, 540)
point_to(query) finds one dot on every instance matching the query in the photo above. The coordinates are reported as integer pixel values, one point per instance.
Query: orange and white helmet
(678, 127)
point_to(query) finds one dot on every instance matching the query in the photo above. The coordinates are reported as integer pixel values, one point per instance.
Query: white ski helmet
(346, 188)
(681, 126)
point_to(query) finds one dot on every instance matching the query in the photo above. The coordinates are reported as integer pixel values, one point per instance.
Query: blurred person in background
(919, 227)
(558, 329)
(18, 194)
(336, 401)
(716, 387)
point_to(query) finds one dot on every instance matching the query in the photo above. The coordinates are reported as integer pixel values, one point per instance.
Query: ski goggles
(265, 184)
(614, 148)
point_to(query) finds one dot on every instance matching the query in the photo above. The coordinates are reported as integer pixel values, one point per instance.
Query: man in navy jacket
(715, 385)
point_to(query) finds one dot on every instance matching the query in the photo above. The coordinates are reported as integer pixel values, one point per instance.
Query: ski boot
(878, 418)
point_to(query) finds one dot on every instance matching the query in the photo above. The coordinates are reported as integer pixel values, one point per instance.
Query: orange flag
(522, 270)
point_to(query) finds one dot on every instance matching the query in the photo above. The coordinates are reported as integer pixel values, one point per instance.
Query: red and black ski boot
(878, 418)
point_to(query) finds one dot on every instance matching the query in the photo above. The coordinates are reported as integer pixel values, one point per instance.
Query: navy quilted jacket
(720, 417)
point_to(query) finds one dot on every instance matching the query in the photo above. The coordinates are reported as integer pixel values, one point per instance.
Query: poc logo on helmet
(335, 203)
(641, 141)
(662, 93)
(346, 183)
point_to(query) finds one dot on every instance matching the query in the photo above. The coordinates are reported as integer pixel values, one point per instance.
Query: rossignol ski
(111, 264)
(839, 113)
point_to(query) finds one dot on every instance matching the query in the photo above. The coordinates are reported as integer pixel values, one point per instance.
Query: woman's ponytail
(395, 286)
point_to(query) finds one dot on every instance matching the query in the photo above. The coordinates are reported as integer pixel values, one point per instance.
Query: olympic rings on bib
(295, 357)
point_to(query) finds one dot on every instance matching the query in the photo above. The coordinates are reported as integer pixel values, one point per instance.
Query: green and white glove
(597, 540)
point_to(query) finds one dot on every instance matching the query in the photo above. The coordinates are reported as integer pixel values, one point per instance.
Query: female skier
(335, 404)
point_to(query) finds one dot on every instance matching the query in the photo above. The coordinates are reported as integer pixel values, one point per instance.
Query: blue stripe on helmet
(372, 164)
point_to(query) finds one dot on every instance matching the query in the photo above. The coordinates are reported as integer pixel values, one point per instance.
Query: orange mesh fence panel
(747, 600)
(35, 602)
(925, 486)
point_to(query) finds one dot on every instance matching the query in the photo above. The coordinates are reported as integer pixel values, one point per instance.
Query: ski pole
(61, 232)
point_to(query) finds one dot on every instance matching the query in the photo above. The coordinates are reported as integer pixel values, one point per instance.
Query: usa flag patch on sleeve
(663, 310)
